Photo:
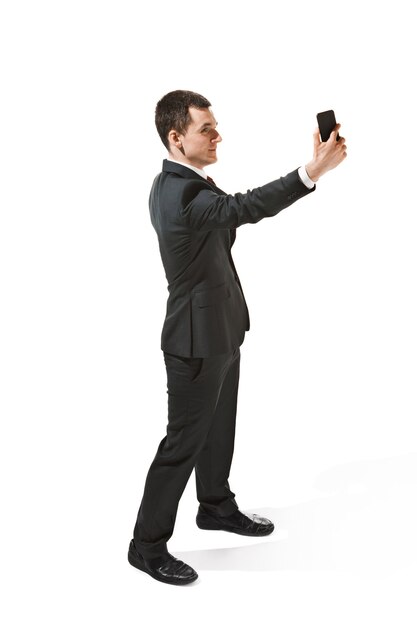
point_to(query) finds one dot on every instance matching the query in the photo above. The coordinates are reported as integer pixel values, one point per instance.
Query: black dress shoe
(240, 523)
(166, 569)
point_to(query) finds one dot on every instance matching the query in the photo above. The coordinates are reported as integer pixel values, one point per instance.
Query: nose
(217, 138)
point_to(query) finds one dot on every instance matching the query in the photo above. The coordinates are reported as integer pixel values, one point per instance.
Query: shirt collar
(196, 169)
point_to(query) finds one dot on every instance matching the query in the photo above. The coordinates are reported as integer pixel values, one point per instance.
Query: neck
(187, 162)
(178, 156)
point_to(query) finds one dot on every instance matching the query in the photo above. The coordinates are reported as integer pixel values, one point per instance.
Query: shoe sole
(238, 531)
(139, 563)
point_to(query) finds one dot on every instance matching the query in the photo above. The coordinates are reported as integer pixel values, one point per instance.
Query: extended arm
(203, 209)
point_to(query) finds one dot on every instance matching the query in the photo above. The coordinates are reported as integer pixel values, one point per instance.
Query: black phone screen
(326, 121)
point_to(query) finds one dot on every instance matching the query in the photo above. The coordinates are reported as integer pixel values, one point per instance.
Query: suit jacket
(196, 223)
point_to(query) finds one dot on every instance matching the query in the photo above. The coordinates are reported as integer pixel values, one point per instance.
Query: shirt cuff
(305, 177)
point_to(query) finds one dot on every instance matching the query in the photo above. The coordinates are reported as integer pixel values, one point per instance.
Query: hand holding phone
(327, 154)
(326, 121)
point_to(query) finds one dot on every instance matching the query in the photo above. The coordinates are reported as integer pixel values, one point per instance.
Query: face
(199, 143)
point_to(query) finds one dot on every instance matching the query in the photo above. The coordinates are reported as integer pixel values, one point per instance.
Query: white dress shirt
(301, 172)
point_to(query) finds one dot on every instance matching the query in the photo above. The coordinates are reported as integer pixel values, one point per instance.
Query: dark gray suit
(205, 324)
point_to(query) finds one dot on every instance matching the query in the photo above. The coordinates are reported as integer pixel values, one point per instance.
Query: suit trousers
(202, 403)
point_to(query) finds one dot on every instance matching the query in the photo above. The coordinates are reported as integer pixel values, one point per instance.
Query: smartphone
(326, 121)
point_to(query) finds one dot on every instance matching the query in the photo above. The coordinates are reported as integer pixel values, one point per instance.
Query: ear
(175, 139)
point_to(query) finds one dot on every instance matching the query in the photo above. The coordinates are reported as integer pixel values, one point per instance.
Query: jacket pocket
(212, 296)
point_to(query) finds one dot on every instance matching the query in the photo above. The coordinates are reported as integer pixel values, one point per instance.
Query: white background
(325, 442)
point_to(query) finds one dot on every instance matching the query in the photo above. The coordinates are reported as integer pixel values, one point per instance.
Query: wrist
(313, 171)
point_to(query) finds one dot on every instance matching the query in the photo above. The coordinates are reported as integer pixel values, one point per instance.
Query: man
(205, 324)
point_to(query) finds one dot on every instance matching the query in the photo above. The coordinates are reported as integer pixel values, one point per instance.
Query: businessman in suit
(205, 324)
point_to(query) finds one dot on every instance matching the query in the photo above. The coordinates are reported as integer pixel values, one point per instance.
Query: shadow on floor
(365, 521)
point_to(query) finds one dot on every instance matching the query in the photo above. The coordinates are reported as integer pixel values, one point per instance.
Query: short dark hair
(172, 112)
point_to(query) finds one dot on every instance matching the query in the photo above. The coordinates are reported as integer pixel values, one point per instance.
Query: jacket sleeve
(203, 209)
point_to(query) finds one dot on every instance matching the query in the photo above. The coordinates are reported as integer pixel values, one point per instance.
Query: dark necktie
(211, 180)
